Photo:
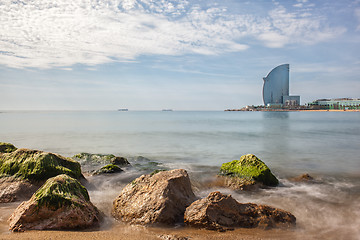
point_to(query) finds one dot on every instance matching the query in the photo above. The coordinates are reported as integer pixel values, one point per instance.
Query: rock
(221, 212)
(145, 164)
(110, 168)
(96, 159)
(303, 178)
(37, 166)
(61, 203)
(172, 237)
(7, 147)
(250, 169)
(13, 189)
(235, 183)
(121, 161)
(158, 199)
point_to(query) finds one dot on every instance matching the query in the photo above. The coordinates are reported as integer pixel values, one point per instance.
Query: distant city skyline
(181, 55)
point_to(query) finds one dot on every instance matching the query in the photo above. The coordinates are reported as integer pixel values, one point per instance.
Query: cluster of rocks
(56, 198)
(166, 198)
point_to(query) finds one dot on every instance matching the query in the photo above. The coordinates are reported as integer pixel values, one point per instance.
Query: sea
(325, 145)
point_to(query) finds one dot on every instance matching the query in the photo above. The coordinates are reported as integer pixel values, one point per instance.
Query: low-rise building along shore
(337, 104)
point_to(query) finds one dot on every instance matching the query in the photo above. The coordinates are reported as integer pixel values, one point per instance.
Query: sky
(182, 55)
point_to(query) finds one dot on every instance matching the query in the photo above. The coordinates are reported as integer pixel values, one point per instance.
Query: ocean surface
(324, 144)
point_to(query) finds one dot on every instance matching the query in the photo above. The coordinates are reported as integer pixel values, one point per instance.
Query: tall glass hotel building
(276, 88)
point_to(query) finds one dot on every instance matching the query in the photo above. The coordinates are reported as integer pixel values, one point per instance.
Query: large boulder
(37, 166)
(250, 170)
(160, 198)
(221, 212)
(61, 203)
(23, 171)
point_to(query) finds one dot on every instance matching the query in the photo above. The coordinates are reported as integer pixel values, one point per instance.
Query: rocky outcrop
(110, 168)
(221, 212)
(23, 171)
(61, 203)
(247, 171)
(37, 166)
(158, 199)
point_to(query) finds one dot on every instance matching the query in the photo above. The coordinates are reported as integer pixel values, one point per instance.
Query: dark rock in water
(37, 166)
(221, 212)
(303, 178)
(145, 164)
(100, 159)
(158, 199)
(93, 158)
(15, 189)
(251, 169)
(110, 168)
(121, 161)
(7, 147)
(61, 203)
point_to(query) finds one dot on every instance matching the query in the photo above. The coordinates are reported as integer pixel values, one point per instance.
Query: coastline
(117, 230)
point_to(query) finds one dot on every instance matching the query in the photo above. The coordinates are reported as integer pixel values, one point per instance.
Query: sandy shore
(112, 229)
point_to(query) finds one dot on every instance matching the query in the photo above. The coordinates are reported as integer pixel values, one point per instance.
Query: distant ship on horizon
(123, 109)
(167, 110)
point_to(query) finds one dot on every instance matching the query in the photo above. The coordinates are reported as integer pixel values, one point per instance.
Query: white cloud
(46, 34)
(295, 28)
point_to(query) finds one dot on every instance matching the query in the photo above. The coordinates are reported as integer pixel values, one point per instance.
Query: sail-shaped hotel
(276, 88)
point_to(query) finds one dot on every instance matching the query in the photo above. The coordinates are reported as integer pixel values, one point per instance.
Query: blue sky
(184, 55)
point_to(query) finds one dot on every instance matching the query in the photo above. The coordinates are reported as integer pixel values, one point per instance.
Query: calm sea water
(324, 144)
(320, 142)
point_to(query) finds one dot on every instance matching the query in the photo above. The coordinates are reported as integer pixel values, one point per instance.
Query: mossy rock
(110, 168)
(249, 167)
(37, 166)
(60, 191)
(61, 203)
(90, 158)
(7, 147)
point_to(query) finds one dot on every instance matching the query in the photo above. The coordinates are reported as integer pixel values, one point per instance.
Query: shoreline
(119, 230)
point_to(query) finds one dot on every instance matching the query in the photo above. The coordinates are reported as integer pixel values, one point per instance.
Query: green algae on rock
(110, 168)
(59, 191)
(6, 147)
(249, 167)
(90, 158)
(37, 166)
(61, 203)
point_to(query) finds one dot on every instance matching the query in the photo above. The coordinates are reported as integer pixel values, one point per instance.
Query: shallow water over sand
(324, 144)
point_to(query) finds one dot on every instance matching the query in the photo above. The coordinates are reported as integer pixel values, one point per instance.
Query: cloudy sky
(184, 54)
